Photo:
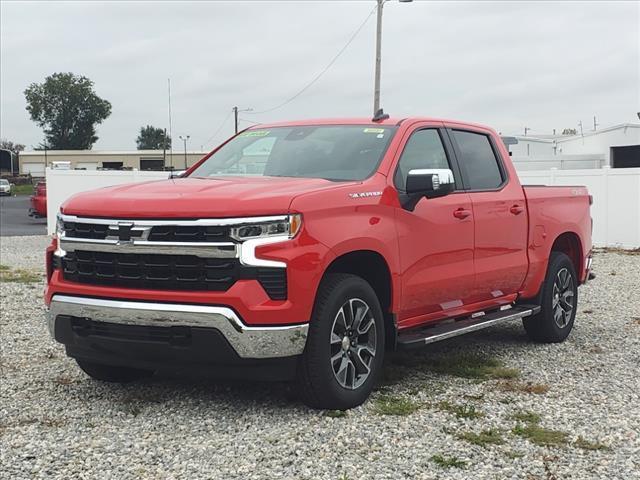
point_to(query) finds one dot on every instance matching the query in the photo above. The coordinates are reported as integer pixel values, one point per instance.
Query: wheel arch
(372, 267)
(569, 243)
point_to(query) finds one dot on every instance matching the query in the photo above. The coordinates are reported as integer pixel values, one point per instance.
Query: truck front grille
(168, 272)
(159, 233)
(149, 271)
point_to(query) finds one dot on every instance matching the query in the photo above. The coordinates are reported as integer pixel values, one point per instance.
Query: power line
(224, 122)
(323, 71)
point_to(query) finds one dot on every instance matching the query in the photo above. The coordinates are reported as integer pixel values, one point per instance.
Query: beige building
(34, 162)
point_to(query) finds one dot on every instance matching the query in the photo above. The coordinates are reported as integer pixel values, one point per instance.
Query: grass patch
(26, 189)
(393, 405)
(513, 455)
(484, 438)
(18, 276)
(588, 445)
(335, 413)
(472, 366)
(526, 417)
(460, 411)
(448, 462)
(520, 387)
(540, 435)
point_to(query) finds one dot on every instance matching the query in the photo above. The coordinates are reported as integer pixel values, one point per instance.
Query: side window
(478, 161)
(424, 149)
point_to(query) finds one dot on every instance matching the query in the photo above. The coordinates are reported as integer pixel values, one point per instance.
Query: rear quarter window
(479, 161)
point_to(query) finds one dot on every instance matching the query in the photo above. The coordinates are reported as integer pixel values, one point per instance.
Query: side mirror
(177, 173)
(430, 183)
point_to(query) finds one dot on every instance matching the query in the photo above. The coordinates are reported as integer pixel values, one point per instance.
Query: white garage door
(35, 169)
(86, 166)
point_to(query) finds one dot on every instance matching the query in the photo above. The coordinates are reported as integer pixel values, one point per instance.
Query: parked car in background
(313, 248)
(38, 207)
(5, 187)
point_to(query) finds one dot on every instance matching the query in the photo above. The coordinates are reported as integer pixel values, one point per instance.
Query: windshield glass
(4, 181)
(333, 152)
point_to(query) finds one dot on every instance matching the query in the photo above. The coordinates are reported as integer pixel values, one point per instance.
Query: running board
(441, 331)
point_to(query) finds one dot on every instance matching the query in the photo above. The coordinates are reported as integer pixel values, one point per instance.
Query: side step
(441, 331)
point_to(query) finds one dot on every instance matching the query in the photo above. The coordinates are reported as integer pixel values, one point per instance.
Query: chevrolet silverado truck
(306, 250)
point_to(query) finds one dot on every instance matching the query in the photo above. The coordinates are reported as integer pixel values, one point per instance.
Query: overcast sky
(542, 65)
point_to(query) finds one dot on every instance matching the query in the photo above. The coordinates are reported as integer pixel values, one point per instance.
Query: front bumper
(248, 342)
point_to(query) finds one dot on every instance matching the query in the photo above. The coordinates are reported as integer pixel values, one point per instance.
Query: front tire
(345, 345)
(559, 302)
(111, 373)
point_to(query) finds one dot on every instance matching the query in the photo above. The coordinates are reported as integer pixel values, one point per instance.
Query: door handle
(516, 209)
(461, 213)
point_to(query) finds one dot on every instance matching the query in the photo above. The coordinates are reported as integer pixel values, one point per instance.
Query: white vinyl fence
(61, 184)
(616, 200)
(615, 209)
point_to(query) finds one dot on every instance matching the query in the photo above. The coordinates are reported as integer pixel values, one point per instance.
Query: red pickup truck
(309, 249)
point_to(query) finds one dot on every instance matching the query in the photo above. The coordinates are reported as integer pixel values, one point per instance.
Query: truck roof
(361, 121)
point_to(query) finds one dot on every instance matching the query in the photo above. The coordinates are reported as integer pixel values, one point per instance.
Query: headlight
(59, 225)
(287, 226)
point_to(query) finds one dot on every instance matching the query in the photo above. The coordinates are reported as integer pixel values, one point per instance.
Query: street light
(184, 140)
(376, 88)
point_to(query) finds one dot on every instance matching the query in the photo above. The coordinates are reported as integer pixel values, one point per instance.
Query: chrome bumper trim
(248, 342)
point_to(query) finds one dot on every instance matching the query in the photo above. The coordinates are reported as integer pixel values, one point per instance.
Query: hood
(195, 197)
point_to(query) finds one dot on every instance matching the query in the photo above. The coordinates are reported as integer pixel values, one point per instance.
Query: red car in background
(38, 207)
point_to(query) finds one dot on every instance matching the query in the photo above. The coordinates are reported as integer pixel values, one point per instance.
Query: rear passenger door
(499, 211)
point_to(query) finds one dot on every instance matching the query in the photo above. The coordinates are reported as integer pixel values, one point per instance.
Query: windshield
(4, 181)
(332, 152)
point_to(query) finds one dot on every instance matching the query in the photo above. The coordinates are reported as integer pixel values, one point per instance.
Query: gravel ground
(57, 423)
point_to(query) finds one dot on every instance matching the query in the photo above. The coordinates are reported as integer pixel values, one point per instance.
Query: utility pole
(580, 125)
(595, 124)
(376, 86)
(235, 118)
(526, 129)
(170, 129)
(184, 140)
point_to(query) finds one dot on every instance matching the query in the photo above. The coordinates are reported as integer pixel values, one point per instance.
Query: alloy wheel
(563, 298)
(353, 343)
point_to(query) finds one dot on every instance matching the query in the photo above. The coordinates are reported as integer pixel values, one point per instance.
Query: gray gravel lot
(57, 423)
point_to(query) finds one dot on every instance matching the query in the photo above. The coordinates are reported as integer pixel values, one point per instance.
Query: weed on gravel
(520, 387)
(394, 405)
(335, 413)
(448, 462)
(485, 438)
(526, 417)
(475, 366)
(460, 411)
(8, 274)
(588, 445)
(540, 436)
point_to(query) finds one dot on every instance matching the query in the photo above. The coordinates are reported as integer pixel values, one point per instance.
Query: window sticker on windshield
(255, 133)
(374, 130)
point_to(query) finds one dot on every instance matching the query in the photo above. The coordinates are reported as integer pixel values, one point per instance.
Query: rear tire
(559, 302)
(345, 345)
(111, 373)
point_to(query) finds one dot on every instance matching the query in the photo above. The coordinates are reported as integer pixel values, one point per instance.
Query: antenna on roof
(380, 116)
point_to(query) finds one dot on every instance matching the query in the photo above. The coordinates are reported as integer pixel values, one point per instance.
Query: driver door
(436, 239)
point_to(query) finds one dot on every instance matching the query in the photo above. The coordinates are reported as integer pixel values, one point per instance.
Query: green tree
(68, 110)
(12, 147)
(152, 138)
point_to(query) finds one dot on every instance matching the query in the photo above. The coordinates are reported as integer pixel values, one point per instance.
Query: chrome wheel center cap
(346, 343)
